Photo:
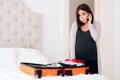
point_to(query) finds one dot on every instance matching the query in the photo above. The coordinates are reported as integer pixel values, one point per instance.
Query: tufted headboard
(18, 24)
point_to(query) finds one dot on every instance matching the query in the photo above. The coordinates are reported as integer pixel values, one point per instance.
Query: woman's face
(83, 16)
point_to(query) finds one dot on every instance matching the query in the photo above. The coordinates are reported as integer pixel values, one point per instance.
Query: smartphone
(87, 19)
(88, 15)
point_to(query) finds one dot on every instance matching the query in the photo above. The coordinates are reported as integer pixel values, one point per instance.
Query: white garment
(94, 31)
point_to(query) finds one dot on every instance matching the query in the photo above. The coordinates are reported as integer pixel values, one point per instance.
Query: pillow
(8, 57)
(31, 56)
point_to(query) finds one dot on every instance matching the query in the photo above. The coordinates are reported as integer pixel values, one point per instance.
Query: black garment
(93, 66)
(85, 49)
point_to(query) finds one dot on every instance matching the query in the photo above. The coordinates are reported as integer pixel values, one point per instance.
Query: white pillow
(31, 56)
(8, 57)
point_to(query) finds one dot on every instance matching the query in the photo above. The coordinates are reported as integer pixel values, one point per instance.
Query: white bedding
(11, 57)
(13, 74)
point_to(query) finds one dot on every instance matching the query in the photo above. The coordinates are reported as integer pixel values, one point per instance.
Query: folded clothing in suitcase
(40, 70)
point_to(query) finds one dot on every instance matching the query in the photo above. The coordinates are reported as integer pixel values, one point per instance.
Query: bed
(10, 59)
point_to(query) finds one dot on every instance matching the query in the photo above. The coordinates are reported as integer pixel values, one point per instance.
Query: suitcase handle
(38, 73)
(68, 72)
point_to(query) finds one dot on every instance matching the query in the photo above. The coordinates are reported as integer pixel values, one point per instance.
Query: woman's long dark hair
(86, 8)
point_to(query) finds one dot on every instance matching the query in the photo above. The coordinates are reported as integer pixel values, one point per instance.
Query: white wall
(51, 26)
(103, 15)
(51, 29)
(116, 39)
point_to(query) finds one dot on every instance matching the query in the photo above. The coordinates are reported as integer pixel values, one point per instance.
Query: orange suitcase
(76, 70)
(40, 70)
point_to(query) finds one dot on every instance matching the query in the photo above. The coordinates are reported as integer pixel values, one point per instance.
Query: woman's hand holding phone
(89, 18)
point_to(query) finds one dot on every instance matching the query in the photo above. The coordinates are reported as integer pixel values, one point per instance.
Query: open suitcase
(40, 70)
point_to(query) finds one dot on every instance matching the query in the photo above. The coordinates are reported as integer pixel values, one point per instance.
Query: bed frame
(18, 24)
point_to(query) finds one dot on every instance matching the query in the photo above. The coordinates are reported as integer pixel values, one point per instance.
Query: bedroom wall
(103, 15)
(110, 47)
(116, 39)
(51, 28)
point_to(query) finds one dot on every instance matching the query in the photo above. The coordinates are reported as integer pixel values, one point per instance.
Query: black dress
(85, 49)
